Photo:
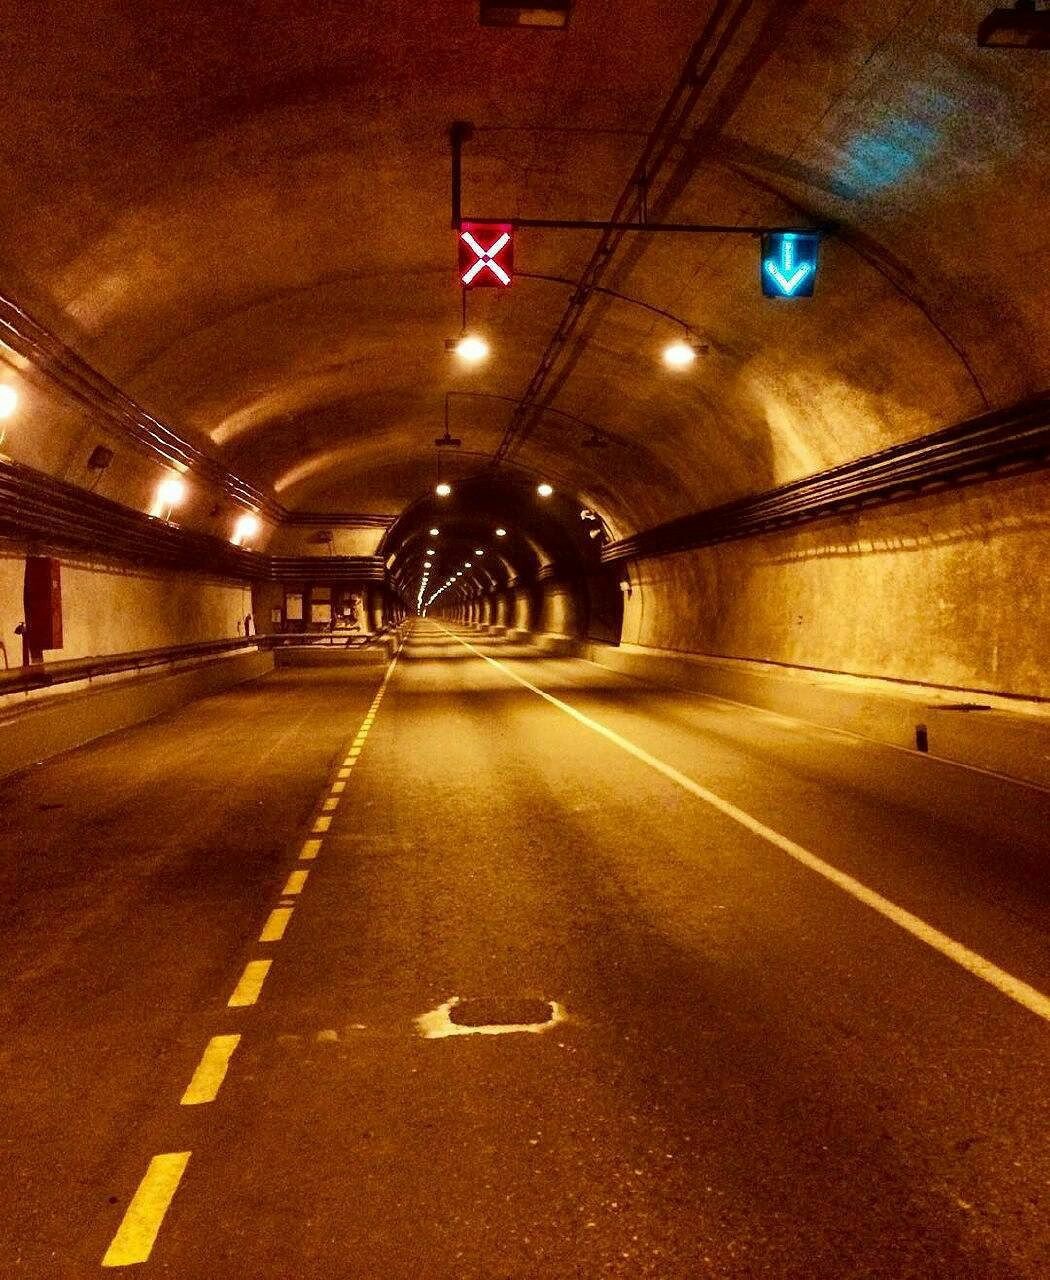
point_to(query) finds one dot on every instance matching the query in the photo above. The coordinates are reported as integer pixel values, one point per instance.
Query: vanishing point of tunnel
(525, 639)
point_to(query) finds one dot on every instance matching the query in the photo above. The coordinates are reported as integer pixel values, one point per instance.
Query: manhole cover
(501, 1013)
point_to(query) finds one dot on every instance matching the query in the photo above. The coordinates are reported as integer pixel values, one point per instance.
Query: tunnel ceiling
(240, 214)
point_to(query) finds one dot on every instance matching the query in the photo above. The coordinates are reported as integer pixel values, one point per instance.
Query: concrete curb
(1005, 737)
(36, 731)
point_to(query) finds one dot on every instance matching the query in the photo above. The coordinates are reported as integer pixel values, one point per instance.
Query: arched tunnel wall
(109, 607)
(940, 590)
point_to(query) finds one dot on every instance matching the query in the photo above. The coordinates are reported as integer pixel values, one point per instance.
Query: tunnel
(525, 701)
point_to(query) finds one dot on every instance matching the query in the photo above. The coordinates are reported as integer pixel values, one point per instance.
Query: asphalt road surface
(710, 992)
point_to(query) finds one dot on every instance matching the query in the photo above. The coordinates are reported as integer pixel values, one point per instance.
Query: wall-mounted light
(8, 400)
(544, 489)
(171, 492)
(443, 489)
(247, 526)
(8, 405)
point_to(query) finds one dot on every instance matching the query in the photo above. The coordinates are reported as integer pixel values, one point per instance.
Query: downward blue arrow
(785, 273)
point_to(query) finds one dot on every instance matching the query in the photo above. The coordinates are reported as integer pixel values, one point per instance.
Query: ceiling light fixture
(501, 533)
(679, 354)
(544, 489)
(443, 489)
(434, 532)
(471, 348)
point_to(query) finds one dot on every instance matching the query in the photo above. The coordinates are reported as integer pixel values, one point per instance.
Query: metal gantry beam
(631, 211)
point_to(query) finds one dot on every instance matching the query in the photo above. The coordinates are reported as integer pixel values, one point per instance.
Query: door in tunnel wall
(603, 607)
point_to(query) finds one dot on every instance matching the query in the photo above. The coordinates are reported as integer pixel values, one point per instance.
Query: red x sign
(486, 254)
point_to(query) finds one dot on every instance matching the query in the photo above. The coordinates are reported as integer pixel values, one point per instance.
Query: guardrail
(340, 639)
(46, 674)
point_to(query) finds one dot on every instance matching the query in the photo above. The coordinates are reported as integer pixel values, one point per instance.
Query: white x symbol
(486, 258)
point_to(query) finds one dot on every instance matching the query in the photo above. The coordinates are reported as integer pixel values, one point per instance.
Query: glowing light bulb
(544, 490)
(171, 492)
(247, 526)
(679, 355)
(443, 490)
(8, 401)
(501, 533)
(472, 349)
(478, 551)
(467, 564)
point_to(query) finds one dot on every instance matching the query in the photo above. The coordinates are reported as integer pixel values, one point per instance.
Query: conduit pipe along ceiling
(286, 307)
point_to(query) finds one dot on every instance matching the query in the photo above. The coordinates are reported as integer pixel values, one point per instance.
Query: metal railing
(43, 675)
(331, 639)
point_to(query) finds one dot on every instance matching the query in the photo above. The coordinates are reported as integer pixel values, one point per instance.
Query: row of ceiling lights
(472, 349)
(428, 564)
(443, 489)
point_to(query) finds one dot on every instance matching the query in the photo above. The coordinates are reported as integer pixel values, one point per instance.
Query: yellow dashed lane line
(249, 984)
(138, 1230)
(211, 1070)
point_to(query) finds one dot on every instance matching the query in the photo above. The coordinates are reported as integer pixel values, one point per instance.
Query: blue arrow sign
(789, 264)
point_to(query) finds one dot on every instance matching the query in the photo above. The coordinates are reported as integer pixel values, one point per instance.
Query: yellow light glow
(501, 533)
(544, 490)
(478, 551)
(434, 532)
(472, 349)
(171, 492)
(679, 355)
(247, 526)
(466, 564)
(8, 400)
(443, 490)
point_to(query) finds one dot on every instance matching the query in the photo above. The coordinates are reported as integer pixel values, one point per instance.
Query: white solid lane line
(1006, 983)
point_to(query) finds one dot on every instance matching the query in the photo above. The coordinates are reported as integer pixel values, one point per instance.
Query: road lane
(136, 870)
(954, 797)
(758, 1076)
